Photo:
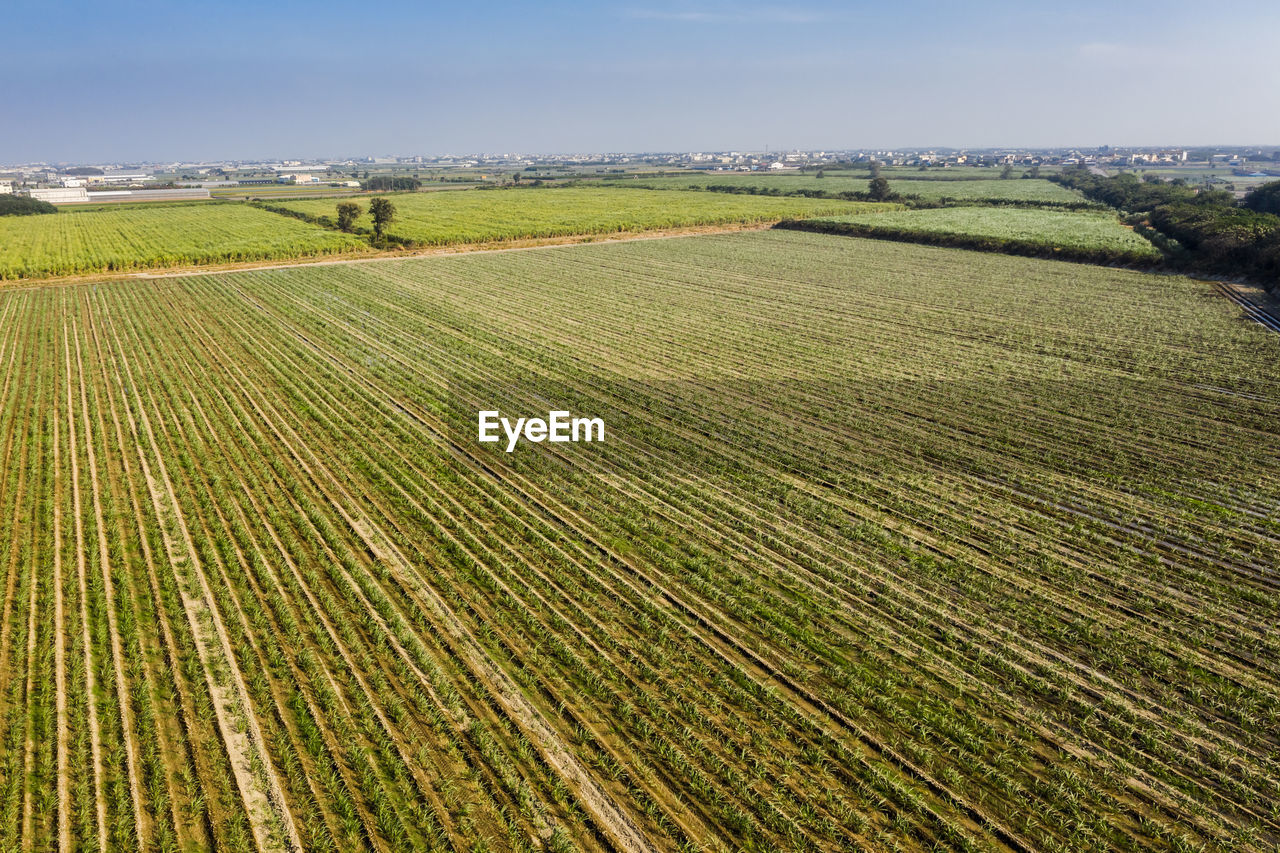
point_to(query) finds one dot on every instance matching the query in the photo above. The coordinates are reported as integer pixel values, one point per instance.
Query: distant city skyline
(140, 80)
(709, 157)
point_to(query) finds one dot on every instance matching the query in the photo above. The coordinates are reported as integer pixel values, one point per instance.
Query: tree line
(1209, 230)
(21, 205)
(385, 183)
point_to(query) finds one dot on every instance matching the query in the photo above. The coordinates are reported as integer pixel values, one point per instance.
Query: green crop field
(887, 547)
(286, 190)
(437, 219)
(1072, 230)
(917, 184)
(129, 237)
(1027, 190)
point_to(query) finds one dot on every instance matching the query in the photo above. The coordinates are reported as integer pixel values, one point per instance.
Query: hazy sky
(145, 80)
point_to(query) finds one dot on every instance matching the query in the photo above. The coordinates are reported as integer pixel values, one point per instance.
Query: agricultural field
(1022, 190)
(285, 190)
(129, 237)
(913, 183)
(887, 547)
(440, 219)
(1070, 231)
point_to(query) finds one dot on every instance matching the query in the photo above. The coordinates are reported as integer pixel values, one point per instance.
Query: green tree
(821, 174)
(878, 189)
(348, 213)
(1007, 172)
(382, 211)
(1264, 198)
(21, 205)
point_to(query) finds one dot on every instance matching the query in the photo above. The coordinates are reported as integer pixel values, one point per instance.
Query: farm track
(1256, 312)
(813, 593)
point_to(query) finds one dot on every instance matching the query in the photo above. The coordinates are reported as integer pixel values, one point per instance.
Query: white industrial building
(61, 195)
(79, 195)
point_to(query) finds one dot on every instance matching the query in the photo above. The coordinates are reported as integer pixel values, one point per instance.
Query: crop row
(816, 590)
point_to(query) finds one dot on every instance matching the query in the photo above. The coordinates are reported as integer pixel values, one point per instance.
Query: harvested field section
(886, 545)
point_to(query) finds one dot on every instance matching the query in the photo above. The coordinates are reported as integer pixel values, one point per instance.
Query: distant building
(6, 187)
(118, 178)
(61, 195)
(183, 194)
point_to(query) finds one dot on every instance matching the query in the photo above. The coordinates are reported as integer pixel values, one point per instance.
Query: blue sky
(137, 79)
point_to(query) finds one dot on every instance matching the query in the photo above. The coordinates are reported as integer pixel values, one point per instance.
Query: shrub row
(1216, 235)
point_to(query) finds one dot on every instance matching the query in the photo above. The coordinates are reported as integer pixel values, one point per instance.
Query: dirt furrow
(266, 809)
(60, 645)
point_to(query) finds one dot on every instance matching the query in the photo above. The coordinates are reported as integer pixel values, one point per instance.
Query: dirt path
(172, 732)
(265, 807)
(1253, 304)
